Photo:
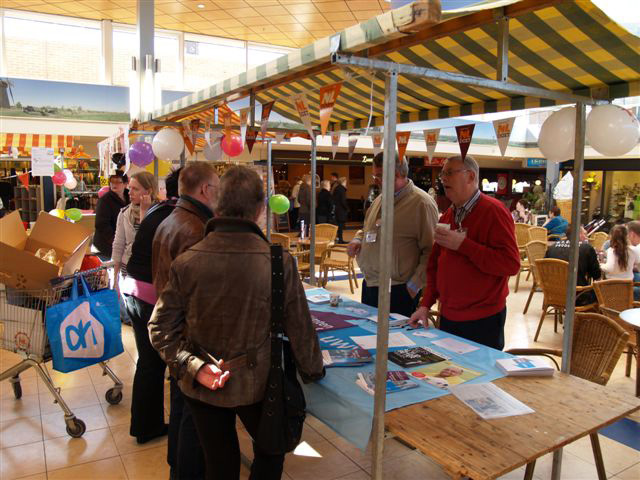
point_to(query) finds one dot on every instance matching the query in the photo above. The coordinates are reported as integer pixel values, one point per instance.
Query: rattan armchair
(522, 238)
(281, 239)
(552, 274)
(340, 261)
(615, 296)
(535, 251)
(598, 239)
(538, 234)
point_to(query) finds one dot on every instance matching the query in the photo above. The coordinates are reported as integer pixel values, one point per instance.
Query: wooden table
(566, 409)
(632, 317)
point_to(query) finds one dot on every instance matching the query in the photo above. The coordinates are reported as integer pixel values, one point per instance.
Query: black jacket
(588, 266)
(107, 211)
(340, 202)
(325, 204)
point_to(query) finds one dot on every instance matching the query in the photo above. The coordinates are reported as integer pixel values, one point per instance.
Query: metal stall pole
(269, 186)
(384, 285)
(574, 239)
(183, 158)
(312, 216)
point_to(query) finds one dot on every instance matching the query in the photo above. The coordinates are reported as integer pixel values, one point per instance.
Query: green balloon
(74, 214)
(279, 204)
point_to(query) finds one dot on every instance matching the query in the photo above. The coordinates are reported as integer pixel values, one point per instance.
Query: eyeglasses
(448, 173)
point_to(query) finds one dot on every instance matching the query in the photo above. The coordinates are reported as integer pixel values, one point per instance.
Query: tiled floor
(35, 446)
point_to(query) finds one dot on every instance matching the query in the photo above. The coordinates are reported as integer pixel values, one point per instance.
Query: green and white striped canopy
(569, 46)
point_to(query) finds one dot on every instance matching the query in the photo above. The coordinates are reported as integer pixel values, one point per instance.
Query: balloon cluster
(74, 214)
(64, 177)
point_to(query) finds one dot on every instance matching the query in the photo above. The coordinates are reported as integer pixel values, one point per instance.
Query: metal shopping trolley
(22, 331)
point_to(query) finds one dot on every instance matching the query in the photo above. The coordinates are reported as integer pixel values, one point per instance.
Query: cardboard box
(19, 266)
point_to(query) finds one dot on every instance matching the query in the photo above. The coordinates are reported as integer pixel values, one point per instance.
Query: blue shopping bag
(84, 330)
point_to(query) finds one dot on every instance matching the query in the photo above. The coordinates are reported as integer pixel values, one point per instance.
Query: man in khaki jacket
(415, 218)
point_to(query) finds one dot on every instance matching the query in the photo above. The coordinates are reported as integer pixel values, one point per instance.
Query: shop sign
(536, 163)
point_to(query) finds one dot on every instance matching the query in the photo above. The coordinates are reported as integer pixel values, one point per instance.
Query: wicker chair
(535, 251)
(598, 239)
(552, 274)
(522, 238)
(538, 234)
(302, 261)
(339, 262)
(325, 238)
(281, 239)
(615, 296)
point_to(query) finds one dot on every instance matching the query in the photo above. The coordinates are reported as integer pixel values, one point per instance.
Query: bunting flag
(377, 142)
(264, 118)
(353, 139)
(403, 141)
(279, 137)
(252, 135)
(226, 121)
(503, 128)
(244, 118)
(185, 128)
(464, 133)
(335, 141)
(300, 102)
(431, 139)
(207, 132)
(328, 97)
(24, 179)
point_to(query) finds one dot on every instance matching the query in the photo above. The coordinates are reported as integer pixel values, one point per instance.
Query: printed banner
(42, 162)
(431, 139)
(403, 141)
(503, 128)
(503, 180)
(207, 132)
(279, 137)
(353, 140)
(187, 136)
(464, 133)
(300, 102)
(377, 142)
(335, 141)
(264, 119)
(252, 134)
(328, 97)
(244, 118)
(226, 121)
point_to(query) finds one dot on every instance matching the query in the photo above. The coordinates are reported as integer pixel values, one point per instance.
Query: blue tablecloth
(337, 401)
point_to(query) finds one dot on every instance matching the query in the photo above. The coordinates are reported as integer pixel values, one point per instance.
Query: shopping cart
(22, 331)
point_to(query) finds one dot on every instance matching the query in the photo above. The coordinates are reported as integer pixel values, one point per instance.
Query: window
(261, 54)
(208, 61)
(61, 49)
(125, 46)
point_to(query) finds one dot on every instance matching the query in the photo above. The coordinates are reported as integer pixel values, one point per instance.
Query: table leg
(528, 472)
(637, 363)
(597, 456)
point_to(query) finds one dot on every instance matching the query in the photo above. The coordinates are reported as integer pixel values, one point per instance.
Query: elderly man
(197, 186)
(217, 303)
(474, 255)
(415, 216)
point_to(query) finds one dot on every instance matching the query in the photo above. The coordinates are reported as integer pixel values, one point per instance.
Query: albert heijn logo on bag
(82, 335)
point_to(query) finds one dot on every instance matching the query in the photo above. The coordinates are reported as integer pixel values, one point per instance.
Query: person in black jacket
(324, 210)
(107, 211)
(341, 206)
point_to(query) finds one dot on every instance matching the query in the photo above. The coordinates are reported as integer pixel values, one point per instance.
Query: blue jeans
(636, 290)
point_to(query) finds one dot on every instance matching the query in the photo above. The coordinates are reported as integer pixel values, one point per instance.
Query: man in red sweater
(474, 254)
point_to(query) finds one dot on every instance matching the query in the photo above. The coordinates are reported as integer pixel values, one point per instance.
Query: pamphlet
(357, 311)
(397, 380)
(455, 346)
(319, 298)
(414, 357)
(521, 366)
(396, 339)
(326, 321)
(490, 401)
(345, 358)
(425, 334)
(395, 320)
(445, 374)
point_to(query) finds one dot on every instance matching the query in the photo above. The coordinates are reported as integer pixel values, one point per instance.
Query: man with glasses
(474, 255)
(415, 216)
(183, 228)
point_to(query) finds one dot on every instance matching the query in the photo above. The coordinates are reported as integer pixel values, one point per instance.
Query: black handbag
(284, 406)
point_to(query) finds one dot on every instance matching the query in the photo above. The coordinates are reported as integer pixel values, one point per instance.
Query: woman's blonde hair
(343, 181)
(326, 184)
(148, 182)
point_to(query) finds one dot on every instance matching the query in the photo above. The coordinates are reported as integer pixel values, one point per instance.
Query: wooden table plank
(566, 408)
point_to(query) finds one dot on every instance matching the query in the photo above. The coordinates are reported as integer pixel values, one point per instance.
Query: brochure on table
(342, 405)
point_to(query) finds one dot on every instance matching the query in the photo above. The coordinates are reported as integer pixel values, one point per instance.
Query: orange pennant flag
(226, 120)
(328, 97)
(403, 141)
(24, 179)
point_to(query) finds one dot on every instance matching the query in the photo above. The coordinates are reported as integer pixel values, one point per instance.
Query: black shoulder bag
(283, 407)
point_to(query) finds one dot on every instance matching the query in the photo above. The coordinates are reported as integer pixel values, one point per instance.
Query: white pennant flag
(299, 101)
(503, 128)
(279, 137)
(431, 139)
(335, 141)
(244, 117)
(376, 138)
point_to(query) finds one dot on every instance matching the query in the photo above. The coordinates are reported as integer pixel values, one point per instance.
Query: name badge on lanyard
(370, 237)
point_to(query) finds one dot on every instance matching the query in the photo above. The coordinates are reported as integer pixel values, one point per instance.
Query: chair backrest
(552, 274)
(598, 343)
(522, 234)
(280, 239)
(614, 294)
(326, 231)
(538, 234)
(535, 251)
(598, 239)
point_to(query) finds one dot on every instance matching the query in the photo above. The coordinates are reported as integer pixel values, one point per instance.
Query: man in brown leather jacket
(198, 184)
(217, 302)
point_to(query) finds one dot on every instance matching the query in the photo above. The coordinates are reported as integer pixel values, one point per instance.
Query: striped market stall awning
(25, 141)
(568, 46)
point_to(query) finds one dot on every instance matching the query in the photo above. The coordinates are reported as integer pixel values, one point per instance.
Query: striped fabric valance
(25, 141)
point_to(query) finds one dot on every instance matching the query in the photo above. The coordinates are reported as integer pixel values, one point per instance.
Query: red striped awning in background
(25, 141)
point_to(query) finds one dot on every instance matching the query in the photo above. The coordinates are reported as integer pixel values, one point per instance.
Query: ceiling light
(201, 5)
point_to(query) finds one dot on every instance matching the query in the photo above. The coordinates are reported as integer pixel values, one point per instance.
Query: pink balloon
(232, 148)
(59, 178)
(102, 192)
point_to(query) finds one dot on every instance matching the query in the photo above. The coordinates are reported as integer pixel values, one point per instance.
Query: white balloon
(612, 130)
(557, 135)
(71, 183)
(167, 144)
(213, 153)
(68, 173)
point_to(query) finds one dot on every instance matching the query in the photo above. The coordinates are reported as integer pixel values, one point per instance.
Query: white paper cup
(444, 226)
(334, 299)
